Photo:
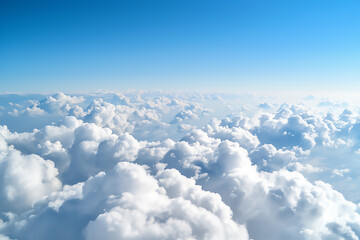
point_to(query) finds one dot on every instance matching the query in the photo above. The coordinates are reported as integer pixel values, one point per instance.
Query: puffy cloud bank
(162, 165)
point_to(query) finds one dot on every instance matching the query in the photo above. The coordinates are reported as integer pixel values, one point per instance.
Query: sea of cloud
(178, 165)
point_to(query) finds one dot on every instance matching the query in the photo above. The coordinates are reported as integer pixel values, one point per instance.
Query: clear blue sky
(70, 45)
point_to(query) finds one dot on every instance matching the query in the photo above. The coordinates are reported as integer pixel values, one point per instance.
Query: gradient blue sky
(71, 46)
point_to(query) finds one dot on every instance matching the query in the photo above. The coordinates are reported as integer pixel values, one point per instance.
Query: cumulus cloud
(171, 208)
(162, 165)
(307, 168)
(24, 180)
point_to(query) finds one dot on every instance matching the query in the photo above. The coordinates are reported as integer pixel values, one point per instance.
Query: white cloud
(340, 172)
(137, 165)
(303, 168)
(25, 180)
(174, 209)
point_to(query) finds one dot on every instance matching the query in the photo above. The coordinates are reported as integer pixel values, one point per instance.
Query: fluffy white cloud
(138, 165)
(172, 208)
(279, 204)
(25, 180)
(59, 103)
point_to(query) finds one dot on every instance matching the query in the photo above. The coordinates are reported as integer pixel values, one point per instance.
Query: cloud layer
(162, 165)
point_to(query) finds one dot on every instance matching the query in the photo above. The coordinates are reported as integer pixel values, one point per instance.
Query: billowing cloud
(24, 179)
(162, 165)
(171, 208)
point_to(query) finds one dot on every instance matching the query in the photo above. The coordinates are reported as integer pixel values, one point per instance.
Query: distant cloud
(141, 165)
(340, 172)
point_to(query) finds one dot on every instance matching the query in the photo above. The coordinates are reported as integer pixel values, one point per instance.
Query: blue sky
(229, 45)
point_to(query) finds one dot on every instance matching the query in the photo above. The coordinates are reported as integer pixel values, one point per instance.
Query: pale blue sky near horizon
(81, 45)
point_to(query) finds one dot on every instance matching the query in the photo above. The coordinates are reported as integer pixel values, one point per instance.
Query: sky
(163, 120)
(75, 46)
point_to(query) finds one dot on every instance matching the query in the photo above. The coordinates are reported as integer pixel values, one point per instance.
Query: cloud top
(140, 165)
